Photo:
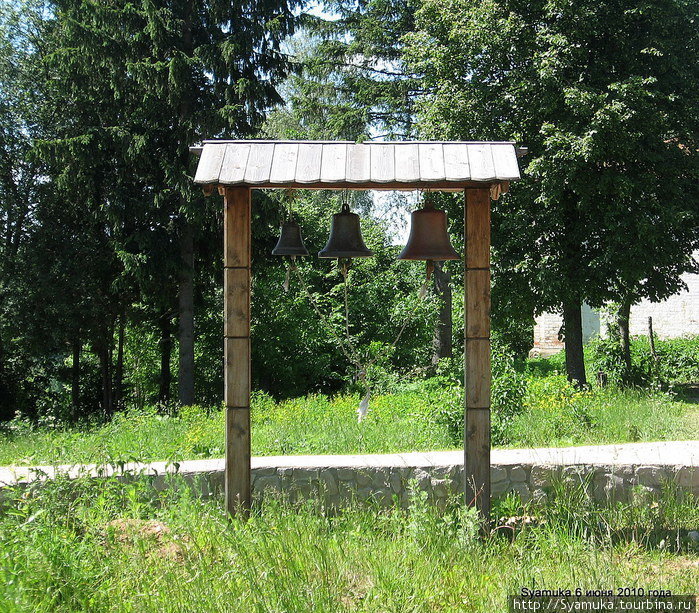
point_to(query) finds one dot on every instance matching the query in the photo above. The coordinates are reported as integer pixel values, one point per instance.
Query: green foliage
(558, 414)
(507, 395)
(677, 361)
(606, 209)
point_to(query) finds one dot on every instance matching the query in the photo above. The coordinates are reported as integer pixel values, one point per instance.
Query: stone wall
(607, 472)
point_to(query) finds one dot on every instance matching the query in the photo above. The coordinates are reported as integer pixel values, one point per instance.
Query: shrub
(677, 361)
(508, 390)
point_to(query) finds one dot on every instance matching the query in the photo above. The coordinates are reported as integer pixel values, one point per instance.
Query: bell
(290, 241)
(428, 238)
(345, 239)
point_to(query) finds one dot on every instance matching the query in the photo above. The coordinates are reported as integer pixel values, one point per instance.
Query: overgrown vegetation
(74, 546)
(533, 405)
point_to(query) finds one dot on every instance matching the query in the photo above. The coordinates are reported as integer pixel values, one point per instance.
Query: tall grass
(112, 546)
(425, 417)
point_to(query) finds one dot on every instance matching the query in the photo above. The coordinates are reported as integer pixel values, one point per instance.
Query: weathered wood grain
(259, 163)
(237, 377)
(480, 161)
(477, 368)
(456, 167)
(505, 162)
(358, 164)
(284, 163)
(383, 163)
(431, 162)
(209, 167)
(234, 164)
(407, 162)
(308, 165)
(333, 164)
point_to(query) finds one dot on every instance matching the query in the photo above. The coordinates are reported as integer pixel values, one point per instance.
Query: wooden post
(236, 228)
(477, 350)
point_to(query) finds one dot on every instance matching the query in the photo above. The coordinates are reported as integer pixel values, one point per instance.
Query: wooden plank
(480, 160)
(431, 162)
(444, 186)
(236, 285)
(237, 477)
(477, 462)
(456, 166)
(477, 373)
(477, 368)
(358, 164)
(236, 215)
(505, 162)
(237, 379)
(259, 163)
(308, 165)
(234, 163)
(209, 167)
(407, 163)
(284, 163)
(478, 302)
(383, 163)
(333, 163)
(478, 228)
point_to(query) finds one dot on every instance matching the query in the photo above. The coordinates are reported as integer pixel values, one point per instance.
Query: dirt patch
(161, 541)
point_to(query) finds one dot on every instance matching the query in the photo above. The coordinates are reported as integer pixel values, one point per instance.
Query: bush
(677, 361)
(508, 390)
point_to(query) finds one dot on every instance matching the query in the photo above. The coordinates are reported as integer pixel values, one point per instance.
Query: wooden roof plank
(358, 164)
(407, 162)
(334, 160)
(308, 164)
(234, 164)
(431, 162)
(209, 167)
(284, 163)
(383, 163)
(505, 161)
(409, 165)
(456, 167)
(259, 163)
(480, 160)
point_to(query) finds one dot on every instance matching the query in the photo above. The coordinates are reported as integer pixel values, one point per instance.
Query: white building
(676, 316)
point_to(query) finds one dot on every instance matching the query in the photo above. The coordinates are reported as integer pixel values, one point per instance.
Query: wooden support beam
(477, 350)
(236, 229)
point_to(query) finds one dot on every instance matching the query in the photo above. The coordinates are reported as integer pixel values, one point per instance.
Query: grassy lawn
(112, 547)
(422, 419)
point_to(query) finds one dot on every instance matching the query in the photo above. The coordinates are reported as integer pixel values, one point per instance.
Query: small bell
(345, 239)
(429, 239)
(290, 241)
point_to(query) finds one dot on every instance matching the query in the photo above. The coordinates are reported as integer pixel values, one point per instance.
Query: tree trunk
(624, 338)
(106, 376)
(186, 316)
(5, 399)
(442, 341)
(575, 356)
(165, 355)
(118, 399)
(75, 379)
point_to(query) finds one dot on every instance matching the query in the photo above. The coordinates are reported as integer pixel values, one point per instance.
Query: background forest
(110, 258)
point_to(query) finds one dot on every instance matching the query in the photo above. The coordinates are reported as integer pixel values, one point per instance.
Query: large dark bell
(428, 238)
(345, 239)
(290, 241)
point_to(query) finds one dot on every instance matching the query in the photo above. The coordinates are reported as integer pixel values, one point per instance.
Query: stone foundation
(611, 472)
